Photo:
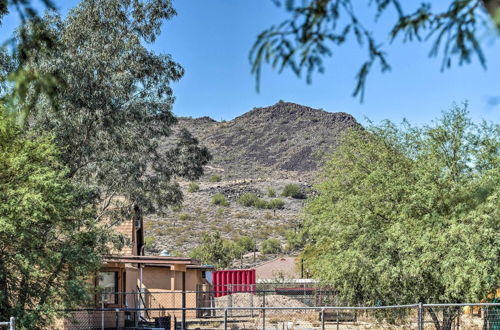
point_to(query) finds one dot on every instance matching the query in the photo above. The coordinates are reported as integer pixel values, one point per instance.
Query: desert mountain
(265, 148)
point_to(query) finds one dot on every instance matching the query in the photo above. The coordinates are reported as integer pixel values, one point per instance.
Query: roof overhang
(153, 260)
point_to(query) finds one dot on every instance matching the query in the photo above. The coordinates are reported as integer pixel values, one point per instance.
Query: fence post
(322, 319)
(102, 311)
(420, 316)
(12, 325)
(117, 318)
(225, 319)
(264, 318)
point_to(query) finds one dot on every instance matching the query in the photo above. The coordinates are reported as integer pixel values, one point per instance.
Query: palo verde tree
(113, 117)
(314, 27)
(408, 214)
(214, 250)
(50, 238)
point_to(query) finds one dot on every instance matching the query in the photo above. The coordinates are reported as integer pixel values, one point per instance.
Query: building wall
(127, 229)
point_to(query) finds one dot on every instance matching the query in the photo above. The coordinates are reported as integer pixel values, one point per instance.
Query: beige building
(131, 280)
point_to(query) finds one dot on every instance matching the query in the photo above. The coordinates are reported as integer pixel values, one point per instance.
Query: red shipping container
(233, 280)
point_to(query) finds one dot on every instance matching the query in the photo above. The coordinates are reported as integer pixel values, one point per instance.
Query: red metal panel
(236, 280)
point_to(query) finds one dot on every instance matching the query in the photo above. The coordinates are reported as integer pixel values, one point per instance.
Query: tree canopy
(409, 214)
(50, 238)
(111, 114)
(302, 42)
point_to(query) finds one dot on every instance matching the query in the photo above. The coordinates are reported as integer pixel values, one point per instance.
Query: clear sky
(212, 38)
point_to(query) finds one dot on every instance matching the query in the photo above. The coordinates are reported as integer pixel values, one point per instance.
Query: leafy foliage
(247, 199)
(114, 108)
(294, 240)
(246, 243)
(50, 238)
(261, 203)
(303, 41)
(219, 199)
(270, 246)
(276, 204)
(408, 214)
(215, 178)
(213, 250)
(149, 242)
(193, 187)
(292, 190)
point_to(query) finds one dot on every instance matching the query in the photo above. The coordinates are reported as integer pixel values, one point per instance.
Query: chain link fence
(418, 316)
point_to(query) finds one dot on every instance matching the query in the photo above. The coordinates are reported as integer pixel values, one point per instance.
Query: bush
(294, 240)
(261, 204)
(271, 246)
(276, 204)
(247, 199)
(193, 186)
(149, 242)
(219, 199)
(184, 217)
(214, 178)
(292, 190)
(271, 192)
(246, 243)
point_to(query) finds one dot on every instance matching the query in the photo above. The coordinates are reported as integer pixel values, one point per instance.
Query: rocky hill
(263, 150)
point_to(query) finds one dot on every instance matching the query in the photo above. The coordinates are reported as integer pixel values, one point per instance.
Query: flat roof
(154, 260)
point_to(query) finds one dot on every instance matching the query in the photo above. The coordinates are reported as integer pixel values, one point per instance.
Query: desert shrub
(193, 186)
(247, 199)
(261, 204)
(175, 253)
(271, 192)
(184, 216)
(271, 246)
(246, 243)
(219, 199)
(149, 242)
(215, 178)
(276, 204)
(293, 241)
(292, 190)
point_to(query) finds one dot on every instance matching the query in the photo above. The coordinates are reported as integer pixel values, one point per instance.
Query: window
(108, 283)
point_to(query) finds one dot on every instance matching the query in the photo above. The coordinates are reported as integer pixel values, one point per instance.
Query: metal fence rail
(480, 316)
(11, 324)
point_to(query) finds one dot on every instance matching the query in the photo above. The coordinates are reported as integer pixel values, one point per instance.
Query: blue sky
(211, 39)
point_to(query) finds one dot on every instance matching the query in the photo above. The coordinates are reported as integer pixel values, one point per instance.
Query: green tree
(408, 214)
(246, 243)
(270, 246)
(213, 250)
(113, 115)
(50, 238)
(302, 42)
